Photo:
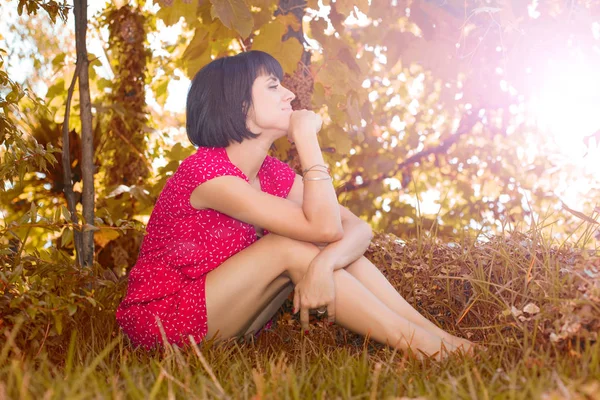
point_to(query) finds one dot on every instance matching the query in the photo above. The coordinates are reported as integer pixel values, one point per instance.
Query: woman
(202, 269)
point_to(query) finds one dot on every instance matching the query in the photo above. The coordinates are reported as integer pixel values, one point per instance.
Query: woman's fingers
(304, 318)
(331, 312)
(296, 300)
(303, 310)
(304, 304)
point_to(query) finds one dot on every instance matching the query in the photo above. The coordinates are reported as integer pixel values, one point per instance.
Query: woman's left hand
(315, 290)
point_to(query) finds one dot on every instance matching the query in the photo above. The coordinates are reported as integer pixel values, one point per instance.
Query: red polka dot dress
(182, 245)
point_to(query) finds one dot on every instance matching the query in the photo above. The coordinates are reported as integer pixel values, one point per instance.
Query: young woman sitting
(235, 230)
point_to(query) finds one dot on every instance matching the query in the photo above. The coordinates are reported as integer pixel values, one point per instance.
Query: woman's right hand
(303, 122)
(315, 290)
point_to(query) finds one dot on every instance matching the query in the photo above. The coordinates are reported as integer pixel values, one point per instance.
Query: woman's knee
(297, 254)
(291, 246)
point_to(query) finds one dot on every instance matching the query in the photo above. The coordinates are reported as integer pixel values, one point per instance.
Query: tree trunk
(87, 153)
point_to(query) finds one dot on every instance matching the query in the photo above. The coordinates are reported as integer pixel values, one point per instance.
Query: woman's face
(271, 109)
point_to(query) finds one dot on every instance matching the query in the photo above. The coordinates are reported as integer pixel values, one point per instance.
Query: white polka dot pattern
(182, 245)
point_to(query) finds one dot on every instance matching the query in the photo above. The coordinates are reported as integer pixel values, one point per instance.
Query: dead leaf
(515, 311)
(579, 214)
(531, 308)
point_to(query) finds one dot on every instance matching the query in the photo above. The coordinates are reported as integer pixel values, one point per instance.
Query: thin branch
(467, 123)
(67, 174)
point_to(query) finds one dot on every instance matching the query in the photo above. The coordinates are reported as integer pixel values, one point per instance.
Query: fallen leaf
(531, 308)
(515, 311)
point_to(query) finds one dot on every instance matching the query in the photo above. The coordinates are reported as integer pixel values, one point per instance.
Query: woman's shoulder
(202, 165)
(203, 154)
(201, 159)
(205, 164)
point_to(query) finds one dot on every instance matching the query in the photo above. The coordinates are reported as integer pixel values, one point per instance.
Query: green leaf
(173, 13)
(58, 324)
(56, 218)
(31, 312)
(103, 236)
(314, 4)
(59, 60)
(25, 218)
(91, 301)
(104, 83)
(72, 308)
(339, 139)
(334, 75)
(88, 227)
(317, 29)
(288, 53)
(197, 54)
(198, 44)
(234, 14)
(265, 15)
(319, 97)
(67, 237)
(160, 93)
(33, 212)
(345, 7)
(66, 213)
(16, 274)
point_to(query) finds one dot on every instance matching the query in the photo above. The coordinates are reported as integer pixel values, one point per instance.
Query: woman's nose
(289, 95)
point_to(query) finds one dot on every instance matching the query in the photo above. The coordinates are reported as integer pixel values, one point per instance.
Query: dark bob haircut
(220, 96)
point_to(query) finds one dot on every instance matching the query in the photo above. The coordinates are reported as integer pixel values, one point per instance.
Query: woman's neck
(248, 156)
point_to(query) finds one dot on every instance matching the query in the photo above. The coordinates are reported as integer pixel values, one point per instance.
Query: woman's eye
(274, 87)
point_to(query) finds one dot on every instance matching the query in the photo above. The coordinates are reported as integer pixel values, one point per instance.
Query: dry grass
(536, 307)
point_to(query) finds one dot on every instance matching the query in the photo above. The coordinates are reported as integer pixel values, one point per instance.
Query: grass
(536, 307)
(308, 370)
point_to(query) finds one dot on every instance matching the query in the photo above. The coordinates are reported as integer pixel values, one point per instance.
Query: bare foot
(465, 346)
(445, 346)
(438, 350)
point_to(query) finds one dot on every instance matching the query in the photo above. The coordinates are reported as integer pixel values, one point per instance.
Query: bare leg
(238, 291)
(360, 311)
(269, 311)
(372, 278)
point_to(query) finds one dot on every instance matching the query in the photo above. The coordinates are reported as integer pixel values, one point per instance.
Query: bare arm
(233, 196)
(317, 285)
(319, 200)
(315, 218)
(356, 240)
(354, 243)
